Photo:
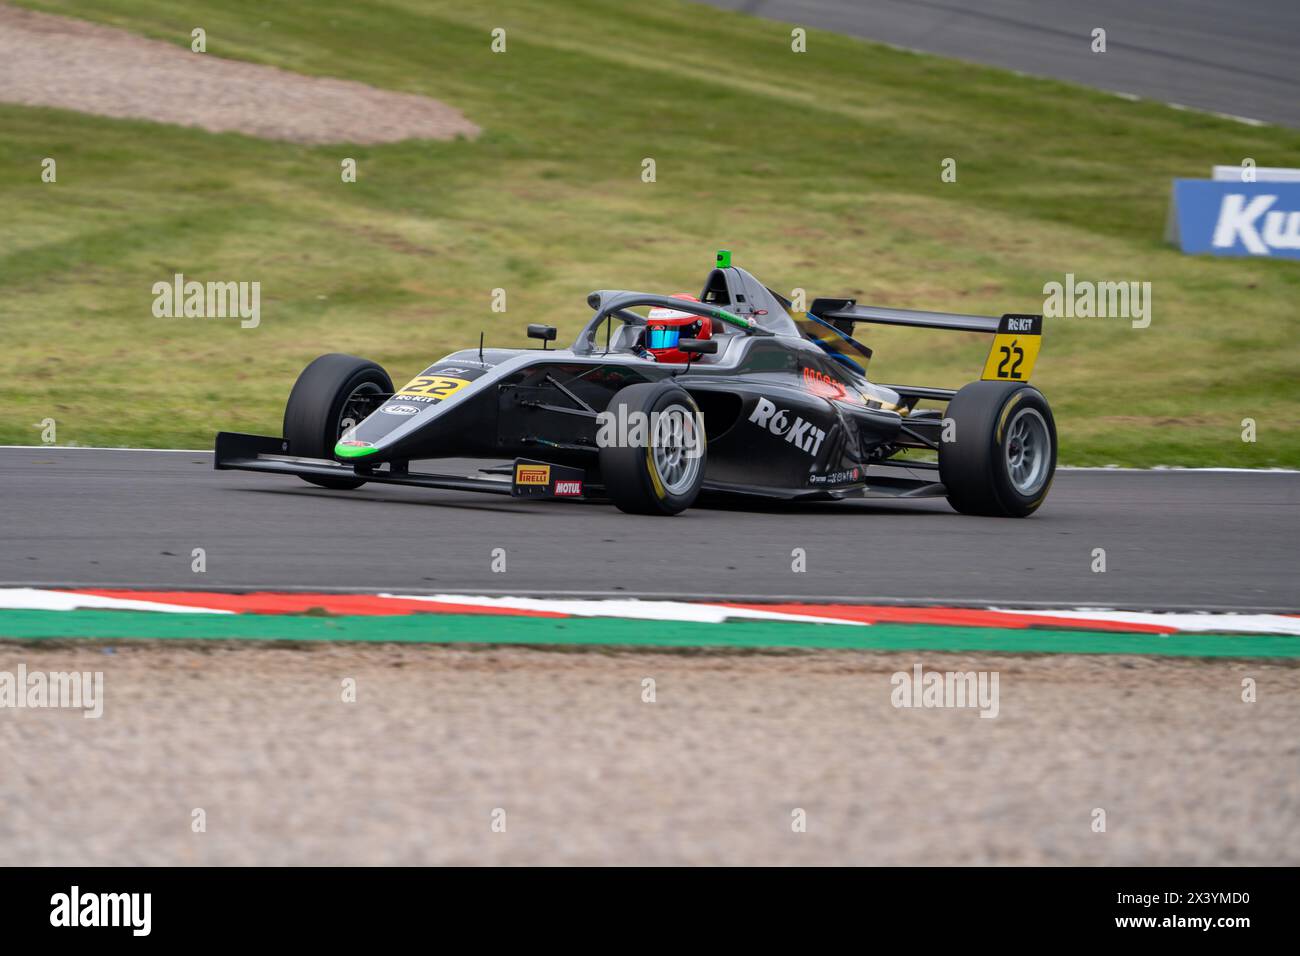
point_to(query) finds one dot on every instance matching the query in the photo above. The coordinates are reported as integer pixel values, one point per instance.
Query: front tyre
(331, 395)
(1002, 458)
(653, 463)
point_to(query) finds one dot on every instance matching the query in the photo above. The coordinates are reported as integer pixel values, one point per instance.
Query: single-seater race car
(731, 393)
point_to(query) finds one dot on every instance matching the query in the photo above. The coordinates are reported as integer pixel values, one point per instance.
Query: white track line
(181, 451)
(884, 600)
(1249, 121)
(1217, 623)
(641, 610)
(1180, 469)
(32, 599)
(708, 612)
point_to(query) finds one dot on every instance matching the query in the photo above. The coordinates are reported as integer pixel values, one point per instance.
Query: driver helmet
(665, 327)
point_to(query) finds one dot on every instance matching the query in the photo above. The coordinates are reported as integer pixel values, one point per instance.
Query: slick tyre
(1002, 458)
(660, 470)
(332, 394)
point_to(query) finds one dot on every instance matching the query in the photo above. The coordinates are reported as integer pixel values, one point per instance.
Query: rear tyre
(1003, 456)
(331, 395)
(660, 471)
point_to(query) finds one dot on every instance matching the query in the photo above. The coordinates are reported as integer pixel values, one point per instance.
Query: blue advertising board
(1238, 219)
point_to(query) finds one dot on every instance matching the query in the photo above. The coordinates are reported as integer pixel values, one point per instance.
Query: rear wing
(1016, 336)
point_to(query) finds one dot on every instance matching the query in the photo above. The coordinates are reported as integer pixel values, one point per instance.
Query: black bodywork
(787, 407)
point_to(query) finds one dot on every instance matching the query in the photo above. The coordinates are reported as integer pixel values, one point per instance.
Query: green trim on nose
(354, 451)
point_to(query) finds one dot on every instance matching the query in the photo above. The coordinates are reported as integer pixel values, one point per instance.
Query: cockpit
(734, 289)
(735, 305)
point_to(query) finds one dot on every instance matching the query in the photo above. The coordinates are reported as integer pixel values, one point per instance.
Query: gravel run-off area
(560, 745)
(48, 60)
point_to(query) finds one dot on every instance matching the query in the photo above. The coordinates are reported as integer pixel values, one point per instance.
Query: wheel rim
(677, 463)
(1028, 450)
(358, 406)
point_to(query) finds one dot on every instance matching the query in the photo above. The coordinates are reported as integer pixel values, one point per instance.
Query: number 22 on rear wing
(1015, 347)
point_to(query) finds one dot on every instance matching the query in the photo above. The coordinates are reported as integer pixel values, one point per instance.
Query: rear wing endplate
(1016, 341)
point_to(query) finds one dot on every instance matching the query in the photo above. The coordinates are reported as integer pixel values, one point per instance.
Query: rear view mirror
(546, 333)
(699, 346)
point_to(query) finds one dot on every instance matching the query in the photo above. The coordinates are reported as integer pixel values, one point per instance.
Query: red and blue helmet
(665, 328)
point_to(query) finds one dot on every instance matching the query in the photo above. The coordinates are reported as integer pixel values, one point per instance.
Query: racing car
(662, 398)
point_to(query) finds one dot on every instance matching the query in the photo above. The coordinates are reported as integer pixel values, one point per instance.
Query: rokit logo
(802, 434)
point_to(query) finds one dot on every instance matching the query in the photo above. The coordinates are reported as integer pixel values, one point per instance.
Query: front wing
(528, 478)
(524, 479)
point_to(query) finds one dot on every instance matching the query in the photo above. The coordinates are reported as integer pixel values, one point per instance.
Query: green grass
(821, 170)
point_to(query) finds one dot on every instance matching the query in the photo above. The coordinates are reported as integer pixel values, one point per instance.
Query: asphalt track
(1172, 540)
(1215, 55)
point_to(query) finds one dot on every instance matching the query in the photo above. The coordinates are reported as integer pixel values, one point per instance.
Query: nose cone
(351, 448)
(439, 390)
